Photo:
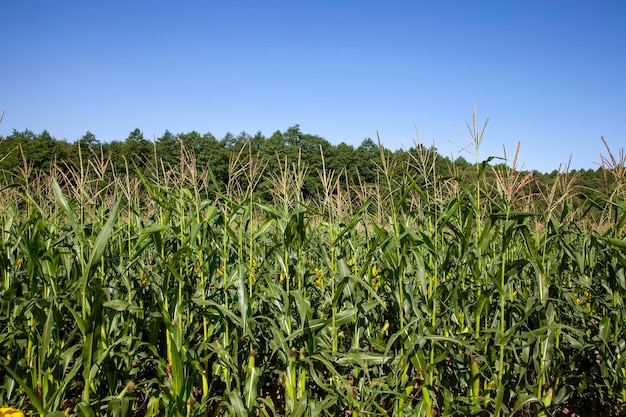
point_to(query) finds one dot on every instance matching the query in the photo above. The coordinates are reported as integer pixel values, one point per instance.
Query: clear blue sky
(548, 73)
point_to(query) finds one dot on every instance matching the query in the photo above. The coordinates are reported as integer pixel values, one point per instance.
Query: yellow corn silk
(10, 412)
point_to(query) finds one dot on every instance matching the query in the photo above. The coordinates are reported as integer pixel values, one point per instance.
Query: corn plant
(162, 292)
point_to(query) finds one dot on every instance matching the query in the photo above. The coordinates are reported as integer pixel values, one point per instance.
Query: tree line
(136, 155)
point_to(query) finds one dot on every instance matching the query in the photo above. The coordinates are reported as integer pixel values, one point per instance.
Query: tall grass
(128, 293)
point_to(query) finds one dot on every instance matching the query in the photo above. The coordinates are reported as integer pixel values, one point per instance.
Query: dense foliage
(241, 283)
(38, 152)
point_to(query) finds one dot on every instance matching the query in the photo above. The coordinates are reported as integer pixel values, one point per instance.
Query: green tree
(88, 139)
(44, 150)
(137, 150)
(211, 154)
(230, 141)
(168, 149)
(368, 156)
(116, 151)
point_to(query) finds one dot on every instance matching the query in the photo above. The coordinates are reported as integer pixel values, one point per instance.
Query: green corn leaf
(117, 305)
(238, 277)
(264, 228)
(62, 201)
(177, 371)
(58, 396)
(604, 329)
(35, 399)
(252, 379)
(237, 405)
(84, 410)
(103, 238)
(47, 334)
(524, 400)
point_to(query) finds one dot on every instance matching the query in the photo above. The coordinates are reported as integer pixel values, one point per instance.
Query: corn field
(129, 294)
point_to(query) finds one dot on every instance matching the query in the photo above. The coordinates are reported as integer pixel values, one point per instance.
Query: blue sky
(550, 73)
